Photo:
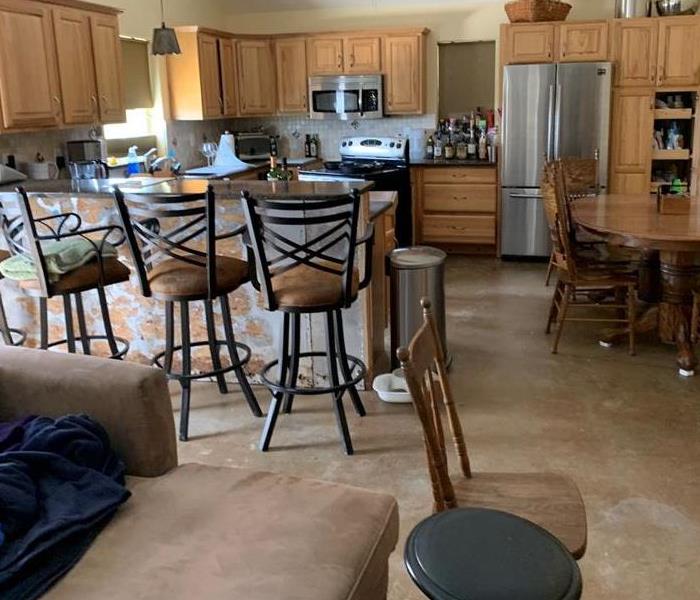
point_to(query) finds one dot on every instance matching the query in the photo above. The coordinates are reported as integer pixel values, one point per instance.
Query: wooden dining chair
(581, 283)
(549, 500)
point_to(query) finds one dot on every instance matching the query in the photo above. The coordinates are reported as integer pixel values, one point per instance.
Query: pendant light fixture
(164, 38)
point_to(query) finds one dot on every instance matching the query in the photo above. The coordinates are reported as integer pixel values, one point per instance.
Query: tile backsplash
(189, 135)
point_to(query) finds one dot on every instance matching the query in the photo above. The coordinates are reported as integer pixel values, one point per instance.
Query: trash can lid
(417, 257)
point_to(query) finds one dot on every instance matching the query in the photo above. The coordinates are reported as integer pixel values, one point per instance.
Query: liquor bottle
(285, 173)
(313, 147)
(307, 146)
(462, 146)
(437, 152)
(471, 145)
(449, 149)
(483, 146)
(430, 148)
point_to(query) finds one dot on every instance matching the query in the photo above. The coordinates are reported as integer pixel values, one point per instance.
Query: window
(467, 77)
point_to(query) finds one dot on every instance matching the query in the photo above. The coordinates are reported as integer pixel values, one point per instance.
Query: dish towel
(62, 256)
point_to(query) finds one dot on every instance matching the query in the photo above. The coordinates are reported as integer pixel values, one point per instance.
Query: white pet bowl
(388, 391)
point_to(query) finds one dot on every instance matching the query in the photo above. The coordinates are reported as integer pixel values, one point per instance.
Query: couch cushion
(215, 533)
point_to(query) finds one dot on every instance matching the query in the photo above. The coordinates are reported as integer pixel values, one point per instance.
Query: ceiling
(273, 5)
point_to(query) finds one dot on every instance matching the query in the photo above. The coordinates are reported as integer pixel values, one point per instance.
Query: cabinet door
(325, 56)
(229, 77)
(529, 44)
(635, 51)
(632, 129)
(580, 42)
(678, 61)
(29, 89)
(75, 65)
(107, 51)
(404, 67)
(362, 55)
(209, 75)
(292, 83)
(256, 77)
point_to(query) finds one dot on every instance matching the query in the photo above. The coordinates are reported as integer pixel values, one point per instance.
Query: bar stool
(22, 233)
(171, 268)
(304, 253)
(480, 554)
(10, 336)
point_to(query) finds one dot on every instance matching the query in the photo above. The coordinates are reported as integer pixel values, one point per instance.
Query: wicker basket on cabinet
(532, 11)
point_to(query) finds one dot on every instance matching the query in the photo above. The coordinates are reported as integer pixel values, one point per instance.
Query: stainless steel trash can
(416, 272)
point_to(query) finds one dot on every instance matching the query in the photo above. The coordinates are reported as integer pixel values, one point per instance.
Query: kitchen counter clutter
(453, 162)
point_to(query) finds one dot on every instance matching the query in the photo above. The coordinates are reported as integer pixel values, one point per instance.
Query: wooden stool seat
(478, 554)
(550, 500)
(179, 280)
(305, 287)
(84, 278)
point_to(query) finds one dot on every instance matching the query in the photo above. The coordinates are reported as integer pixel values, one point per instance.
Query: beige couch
(194, 531)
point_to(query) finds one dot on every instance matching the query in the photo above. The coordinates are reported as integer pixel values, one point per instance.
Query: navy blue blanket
(60, 483)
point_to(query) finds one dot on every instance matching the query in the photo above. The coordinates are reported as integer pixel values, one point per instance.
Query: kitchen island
(140, 320)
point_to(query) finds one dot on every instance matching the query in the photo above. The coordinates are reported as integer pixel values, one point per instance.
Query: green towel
(62, 256)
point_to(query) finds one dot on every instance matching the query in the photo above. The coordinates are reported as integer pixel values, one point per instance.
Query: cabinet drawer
(463, 229)
(459, 175)
(459, 198)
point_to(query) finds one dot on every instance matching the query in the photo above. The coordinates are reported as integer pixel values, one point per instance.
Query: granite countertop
(453, 162)
(223, 189)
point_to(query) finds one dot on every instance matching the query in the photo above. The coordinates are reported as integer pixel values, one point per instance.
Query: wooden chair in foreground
(596, 282)
(549, 500)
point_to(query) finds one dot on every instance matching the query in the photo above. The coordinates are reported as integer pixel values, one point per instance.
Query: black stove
(384, 162)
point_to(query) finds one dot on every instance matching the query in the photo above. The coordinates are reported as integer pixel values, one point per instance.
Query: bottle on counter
(449, 149)
(472, 144)
(132, 158)
(273, 173)
(483, 146)
(430, 148)
(278, 172)
(307, 146)
(313, 147)
(461, 150)
(437, 152)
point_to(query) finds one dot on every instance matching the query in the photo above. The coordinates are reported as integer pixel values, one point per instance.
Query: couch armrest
(131, 401)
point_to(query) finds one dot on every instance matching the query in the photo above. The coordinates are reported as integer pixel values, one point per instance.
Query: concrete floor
(627, 429)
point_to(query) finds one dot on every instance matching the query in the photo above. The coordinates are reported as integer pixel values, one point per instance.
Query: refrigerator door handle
(526, 196)
(557, 122)
(550, 124)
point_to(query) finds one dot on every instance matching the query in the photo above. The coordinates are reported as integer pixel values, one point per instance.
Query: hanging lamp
(164, 38)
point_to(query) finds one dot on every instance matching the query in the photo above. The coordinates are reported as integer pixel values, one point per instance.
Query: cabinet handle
(96, 110)
(662, 75)
(352, 60)
(57, 100)
(340, 61)
(653, 74)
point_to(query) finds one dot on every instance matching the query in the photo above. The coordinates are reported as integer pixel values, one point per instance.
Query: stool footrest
(158, 361)
(122, 344)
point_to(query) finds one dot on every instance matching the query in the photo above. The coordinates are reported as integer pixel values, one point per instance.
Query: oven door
(346, 97)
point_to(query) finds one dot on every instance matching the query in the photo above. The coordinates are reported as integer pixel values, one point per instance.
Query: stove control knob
(345, 144)
(350, 143)
(391, 145)
(398, 145)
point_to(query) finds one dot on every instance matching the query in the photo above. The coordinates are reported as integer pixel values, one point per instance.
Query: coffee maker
(85, 160)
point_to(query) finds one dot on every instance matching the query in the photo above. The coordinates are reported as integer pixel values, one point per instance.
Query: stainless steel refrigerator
(549, 111)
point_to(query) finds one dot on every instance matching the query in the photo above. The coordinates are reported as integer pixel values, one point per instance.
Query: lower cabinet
(456, 207)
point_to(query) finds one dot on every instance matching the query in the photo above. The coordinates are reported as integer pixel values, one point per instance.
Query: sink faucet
(158, 164)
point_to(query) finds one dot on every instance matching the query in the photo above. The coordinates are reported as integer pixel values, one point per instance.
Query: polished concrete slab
(627, 429)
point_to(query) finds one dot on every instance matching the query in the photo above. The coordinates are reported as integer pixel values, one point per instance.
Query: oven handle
(362, 108)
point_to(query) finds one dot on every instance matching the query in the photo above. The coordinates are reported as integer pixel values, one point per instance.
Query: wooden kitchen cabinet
(228, 69)
(635, 52)
(581, 42)
(107, 53)
(362, 55)
(325, 55)
(632, 128)
(210, 75)
(292, 81)
(256, 77)
(29, 87)
(679, 57)
(525, 43)
(75, 65)
(456, 207)
(403, 58)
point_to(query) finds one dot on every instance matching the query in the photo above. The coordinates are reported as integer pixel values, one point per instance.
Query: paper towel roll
(226, 154)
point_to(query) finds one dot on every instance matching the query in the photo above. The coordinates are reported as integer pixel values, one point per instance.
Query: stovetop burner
(356, 167)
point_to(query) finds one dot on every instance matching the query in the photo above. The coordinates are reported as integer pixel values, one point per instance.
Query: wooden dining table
(668, 237)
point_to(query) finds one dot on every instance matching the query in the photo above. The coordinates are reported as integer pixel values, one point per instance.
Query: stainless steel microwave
(346, 97)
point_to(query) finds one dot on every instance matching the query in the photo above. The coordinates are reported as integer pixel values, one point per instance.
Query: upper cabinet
(659, 52)
(527, 43)
(362, 55)
(109, 75)
(29, 87)
(292, 86)
(203, 79)
(580, 42)
(403, 58)
(59, 65)
(75, 65)
(256, 77)
(325, 56)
